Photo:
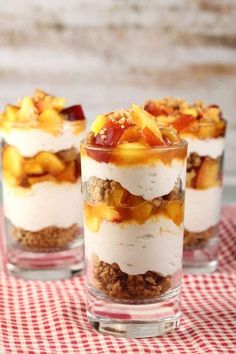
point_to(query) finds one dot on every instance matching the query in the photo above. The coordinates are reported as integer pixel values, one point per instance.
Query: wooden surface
(109, 53)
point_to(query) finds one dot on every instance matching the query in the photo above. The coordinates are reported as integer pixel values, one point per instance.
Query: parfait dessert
(133, 178)
(204, 129)
(41, 181)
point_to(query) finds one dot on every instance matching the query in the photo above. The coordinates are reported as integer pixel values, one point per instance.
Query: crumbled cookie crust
(48, 239)
(119, 285)
(99, 190)
(193, 239)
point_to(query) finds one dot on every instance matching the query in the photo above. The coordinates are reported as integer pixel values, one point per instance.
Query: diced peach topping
(42, 111)
(127, 126)
(189, 119)
(45, 166)
(126, 131)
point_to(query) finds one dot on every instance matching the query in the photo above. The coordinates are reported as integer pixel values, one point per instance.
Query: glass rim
(183, 143)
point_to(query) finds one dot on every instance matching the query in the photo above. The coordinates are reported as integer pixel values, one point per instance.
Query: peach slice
(208, 174)
(4, 124)
(206, 130)
(106, 212)
(150, 138)
(50, 163)
(220, 128)
(11, 113)
(33, 168)
(183, 122)
(130, 135)
(214, 113)
(45, 101)
(27, 111)
(69, 173)
(191, 112)
(92, 222)
(146, 120)
(175, 211)
(165, 121)
(142, 212)
(58, 103)
(117, 197)
(41, 179)
(10, 179)
(170, 136)
(13, 161)
(100, 212)
(50, 118)
(98, 124)
(131, 152)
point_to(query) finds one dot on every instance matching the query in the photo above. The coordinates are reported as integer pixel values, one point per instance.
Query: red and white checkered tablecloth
(49, 317)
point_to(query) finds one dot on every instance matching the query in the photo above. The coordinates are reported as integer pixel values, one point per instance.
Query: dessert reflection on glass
(204, 129)
(41, 184)
(133, 178)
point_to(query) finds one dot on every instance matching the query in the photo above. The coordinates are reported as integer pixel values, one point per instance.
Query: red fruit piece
(74, 113)
(183, 122)
(153, 109)
(112, 134)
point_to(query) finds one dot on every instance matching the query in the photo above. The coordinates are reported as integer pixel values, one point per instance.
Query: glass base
(203, 268)
(46, 274)
(46, 266)
(200, 260)
(135, 320)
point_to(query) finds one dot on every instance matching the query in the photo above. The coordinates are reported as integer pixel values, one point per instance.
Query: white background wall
(109, 53)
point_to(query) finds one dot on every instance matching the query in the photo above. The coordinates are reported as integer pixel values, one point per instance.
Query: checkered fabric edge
(50, 317)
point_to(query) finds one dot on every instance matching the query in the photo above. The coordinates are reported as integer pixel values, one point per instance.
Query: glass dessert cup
(203, 127)
(203, 198)
(42, 198)
(133, 228)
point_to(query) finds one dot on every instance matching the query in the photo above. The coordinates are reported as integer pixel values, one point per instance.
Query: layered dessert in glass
(42, 184)
(133, 178)
(203, 127)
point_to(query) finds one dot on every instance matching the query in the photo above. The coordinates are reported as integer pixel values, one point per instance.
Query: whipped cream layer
(32, 141)
(142, 180)
(202, 208)
(206, 147)
(155, 246)
(43, 205)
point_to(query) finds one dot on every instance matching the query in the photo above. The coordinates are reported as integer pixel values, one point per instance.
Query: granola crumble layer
(193, 239)
(109, 279)
(45, 240)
